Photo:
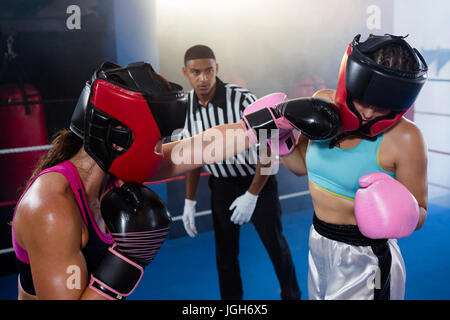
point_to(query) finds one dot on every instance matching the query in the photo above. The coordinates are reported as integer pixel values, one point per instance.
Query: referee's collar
(218, 100)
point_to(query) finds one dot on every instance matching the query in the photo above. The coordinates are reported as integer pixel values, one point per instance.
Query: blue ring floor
(185, 269)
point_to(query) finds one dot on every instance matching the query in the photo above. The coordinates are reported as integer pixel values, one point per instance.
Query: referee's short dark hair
(198, 51)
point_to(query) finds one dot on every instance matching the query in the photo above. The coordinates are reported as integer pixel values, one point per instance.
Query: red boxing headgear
(121, 115)
(363, 79)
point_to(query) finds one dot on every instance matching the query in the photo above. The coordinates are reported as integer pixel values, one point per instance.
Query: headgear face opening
(121, 115)
(362, 79)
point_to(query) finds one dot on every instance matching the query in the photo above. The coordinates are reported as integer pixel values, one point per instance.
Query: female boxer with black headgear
(65, 249)
(85, 227)
(368, 184)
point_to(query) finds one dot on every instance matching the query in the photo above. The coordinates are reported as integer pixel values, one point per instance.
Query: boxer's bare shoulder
(327, 94)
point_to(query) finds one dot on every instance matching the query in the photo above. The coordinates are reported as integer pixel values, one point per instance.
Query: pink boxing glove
(268, 101)
(384, 208)
(285, 140)
(317, 119)
(283, 144)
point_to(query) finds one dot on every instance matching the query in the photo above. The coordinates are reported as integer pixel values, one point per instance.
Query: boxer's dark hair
(395, 56)
(65, 144)
(198, 52)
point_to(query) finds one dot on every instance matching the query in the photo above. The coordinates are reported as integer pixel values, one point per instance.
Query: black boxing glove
(316, 118)
(139, 223)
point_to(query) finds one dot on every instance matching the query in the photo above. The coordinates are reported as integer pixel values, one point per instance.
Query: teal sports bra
(338, 171)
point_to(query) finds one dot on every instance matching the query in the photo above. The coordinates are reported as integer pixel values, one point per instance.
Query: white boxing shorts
(346, 265)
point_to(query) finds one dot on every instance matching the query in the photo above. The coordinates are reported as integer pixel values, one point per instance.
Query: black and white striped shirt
(226, 106)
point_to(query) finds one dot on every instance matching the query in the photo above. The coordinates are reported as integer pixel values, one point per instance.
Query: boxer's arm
(52, 238)
(411, 164)
(295, 162)
(325, 94)
(191, 179)
(261, 175)
(212, 145)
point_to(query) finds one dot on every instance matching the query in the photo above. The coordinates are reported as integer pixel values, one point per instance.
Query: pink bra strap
(67, 170)
(81, 197)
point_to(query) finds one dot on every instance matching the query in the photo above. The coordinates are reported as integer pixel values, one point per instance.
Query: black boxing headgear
(121, 115)
(363, 79)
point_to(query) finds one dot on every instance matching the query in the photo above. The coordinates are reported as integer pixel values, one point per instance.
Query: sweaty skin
(402, 150)
(48, 223)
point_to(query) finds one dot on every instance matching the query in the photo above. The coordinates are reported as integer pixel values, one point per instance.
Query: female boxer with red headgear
(368, 184)
(85, 227)
(64, 247)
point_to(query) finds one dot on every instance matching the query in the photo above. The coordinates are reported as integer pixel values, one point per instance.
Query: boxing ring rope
(7, 250)
(432, 113)
(438, 151)
(35, 102)
(176, 218)
(25, 149)
(179, 217)
(438, 80)
(438, 185)
(286, 196)
(47, 147)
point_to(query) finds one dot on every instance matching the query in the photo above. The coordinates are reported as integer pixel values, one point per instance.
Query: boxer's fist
(316, 118)
(384, 208)
(258, 114)
(283, 144)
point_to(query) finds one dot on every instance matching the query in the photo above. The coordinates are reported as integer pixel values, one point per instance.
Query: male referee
(239, 191)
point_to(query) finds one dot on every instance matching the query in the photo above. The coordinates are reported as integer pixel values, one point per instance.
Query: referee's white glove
(243, 208)
(189, 217)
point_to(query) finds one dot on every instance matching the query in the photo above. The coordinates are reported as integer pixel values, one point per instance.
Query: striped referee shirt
(226, 106)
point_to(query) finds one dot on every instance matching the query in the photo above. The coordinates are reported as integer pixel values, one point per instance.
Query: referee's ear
(183, 69)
